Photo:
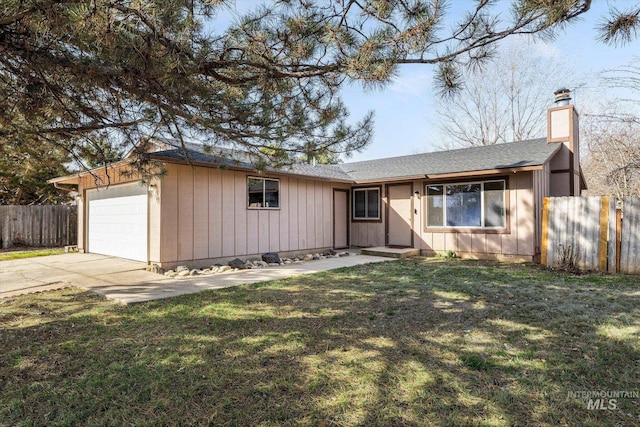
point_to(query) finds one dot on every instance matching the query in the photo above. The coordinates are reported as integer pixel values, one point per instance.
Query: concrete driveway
(128, 282)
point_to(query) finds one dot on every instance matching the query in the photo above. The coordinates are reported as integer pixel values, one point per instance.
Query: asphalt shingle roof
(232, 158)
(534, 152)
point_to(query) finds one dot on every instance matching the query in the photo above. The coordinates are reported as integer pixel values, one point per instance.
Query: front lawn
(413, 342)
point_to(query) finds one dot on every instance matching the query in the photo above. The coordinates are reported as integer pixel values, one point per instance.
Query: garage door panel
(117, 222)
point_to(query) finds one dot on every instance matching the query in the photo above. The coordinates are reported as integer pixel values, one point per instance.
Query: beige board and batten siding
(516, 243)
(205, 217)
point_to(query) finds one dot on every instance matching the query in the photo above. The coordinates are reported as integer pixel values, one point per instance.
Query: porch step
(390, 252)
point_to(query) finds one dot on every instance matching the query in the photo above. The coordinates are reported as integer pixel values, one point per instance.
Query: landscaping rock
(155, 268)
(329, 252)
(343, 254)
(223, 268)
(271, 258)
(237, 263)
(308, 257)
(206, 271)
(194, 272)
(260, 264)
(315, 257)
(183, 273)
(181, 268)
(170, 273)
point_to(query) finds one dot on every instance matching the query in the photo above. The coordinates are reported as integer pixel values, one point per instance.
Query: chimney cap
(562, 96)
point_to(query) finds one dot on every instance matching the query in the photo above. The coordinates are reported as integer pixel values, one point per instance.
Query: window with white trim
(467, 205)
(366, 203)
(263, 193)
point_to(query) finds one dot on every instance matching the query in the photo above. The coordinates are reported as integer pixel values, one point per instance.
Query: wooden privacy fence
(591, 233)
(38, 226)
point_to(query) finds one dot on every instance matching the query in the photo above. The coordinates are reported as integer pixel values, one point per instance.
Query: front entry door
(340, 219)
(399, 215)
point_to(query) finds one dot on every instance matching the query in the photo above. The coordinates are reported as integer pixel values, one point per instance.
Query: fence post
(545, 231)
(612, 248)
(618, 238)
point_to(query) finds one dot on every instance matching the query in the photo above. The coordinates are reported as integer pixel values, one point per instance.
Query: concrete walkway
(127, 281)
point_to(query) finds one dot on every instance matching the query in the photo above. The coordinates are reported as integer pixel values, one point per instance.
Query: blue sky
(404, 109)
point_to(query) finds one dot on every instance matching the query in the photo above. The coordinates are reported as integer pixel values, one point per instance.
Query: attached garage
(117, 221)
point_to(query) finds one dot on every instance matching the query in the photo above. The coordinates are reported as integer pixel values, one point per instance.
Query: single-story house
(482, 202)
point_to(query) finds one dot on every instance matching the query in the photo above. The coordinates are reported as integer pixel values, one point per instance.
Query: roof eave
(390, 179)
(73, 179)
(67, 179)
(496, 171)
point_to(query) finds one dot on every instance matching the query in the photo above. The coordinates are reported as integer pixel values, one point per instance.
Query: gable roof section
(522, 154)
(224, 157)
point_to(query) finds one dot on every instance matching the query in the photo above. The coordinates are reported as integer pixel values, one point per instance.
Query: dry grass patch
(30, 253)
(411, 342)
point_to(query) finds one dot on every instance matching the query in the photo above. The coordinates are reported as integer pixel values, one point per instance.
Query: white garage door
(117, 221)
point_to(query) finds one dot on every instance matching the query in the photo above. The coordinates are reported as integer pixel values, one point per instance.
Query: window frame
(468, 229)
(264, 180)
(353, 204)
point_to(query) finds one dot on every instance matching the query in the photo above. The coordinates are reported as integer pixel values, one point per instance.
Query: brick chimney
(562, 128)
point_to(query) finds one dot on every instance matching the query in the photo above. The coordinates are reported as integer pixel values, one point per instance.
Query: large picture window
(263, 193)
(467, 205)
(366, 203)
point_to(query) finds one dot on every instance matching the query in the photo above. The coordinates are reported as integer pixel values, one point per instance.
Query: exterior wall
(205, 218)
(199, 215)
(81, 220)
(518, 242)
(154, 222)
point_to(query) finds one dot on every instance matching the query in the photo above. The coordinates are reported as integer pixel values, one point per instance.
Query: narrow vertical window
(494, 209)
(435, 206)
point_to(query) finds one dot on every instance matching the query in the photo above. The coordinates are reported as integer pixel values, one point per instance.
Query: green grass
(6, 256)
(410, 342)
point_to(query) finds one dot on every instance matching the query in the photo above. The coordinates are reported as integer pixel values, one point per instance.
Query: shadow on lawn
(402, 343)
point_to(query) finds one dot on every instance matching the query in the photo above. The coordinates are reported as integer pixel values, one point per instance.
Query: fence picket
(630, 244)
(37, 226)
(582, 232)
